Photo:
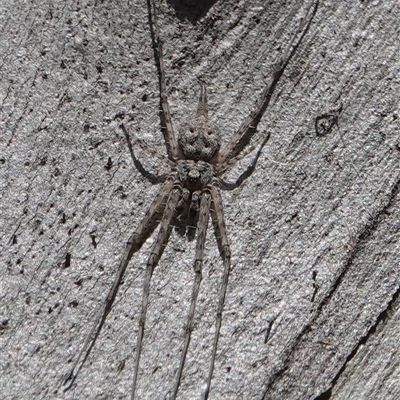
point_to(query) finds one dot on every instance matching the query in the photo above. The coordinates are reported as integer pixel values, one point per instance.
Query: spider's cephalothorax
(199, 139)
(189, 197)
(194, 175)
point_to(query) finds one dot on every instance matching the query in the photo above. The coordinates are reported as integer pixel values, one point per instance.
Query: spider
(190, 195)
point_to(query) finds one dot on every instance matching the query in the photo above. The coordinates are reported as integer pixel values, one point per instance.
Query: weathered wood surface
(314, 232)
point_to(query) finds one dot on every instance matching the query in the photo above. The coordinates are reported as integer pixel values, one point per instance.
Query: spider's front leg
(155, 255)
(202, 225)
(217, 216)
(135, 242)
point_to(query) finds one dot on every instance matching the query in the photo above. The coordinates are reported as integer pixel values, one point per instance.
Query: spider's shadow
(192, 10)
(185, 230)
(185, 222)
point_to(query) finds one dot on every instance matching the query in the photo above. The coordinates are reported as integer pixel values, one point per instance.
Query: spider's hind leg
(165, 114)
(249, 126)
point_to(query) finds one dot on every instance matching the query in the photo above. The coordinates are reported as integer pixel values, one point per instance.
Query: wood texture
(312, 303)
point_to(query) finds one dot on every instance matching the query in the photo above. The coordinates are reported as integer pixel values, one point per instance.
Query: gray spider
(189, 194)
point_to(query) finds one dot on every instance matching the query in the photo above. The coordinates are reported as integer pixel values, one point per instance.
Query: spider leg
(217, 217)
(135, 242)
(154, 179)
(248, 128)
(202, 225)
(232, 161)
(145, 147)
(155, 255)
(244, 175)
(165, 114)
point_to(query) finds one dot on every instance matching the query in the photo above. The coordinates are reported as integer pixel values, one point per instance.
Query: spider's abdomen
(199, 140)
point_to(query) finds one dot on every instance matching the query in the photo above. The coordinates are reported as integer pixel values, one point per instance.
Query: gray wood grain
(312, 304)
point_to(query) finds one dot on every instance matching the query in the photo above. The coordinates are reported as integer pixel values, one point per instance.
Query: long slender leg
(248, 128)
(135, 242)
(217, 216)
(245, 174)
(202, 225)
(156, 252)
(145, 147)
(154, 179)
(232, 161)
(165, 115)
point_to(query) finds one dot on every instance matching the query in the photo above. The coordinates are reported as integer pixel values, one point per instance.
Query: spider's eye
(210, 132)
(191, 129)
